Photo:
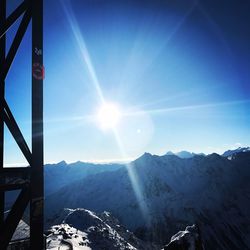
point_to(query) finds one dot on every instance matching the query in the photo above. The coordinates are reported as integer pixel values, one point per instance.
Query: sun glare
(108, 116)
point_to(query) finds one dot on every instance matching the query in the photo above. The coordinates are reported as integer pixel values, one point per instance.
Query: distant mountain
(184, 154)
(170, 153)
(61, 174)
(84, 229)
(229, 153)
(157, 196)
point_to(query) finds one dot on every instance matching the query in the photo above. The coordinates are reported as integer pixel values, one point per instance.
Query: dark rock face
(190, 239)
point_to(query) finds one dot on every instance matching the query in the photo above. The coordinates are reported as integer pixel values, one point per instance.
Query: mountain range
(157, 196)
(61, 174)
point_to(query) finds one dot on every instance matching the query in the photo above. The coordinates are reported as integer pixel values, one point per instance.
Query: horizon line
(118, 160)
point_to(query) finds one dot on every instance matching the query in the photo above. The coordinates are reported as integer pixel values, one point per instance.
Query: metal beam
(16, 132)
(13, 186)
(13, 218)
(11, 19)
(15, 44)
(14, 178)
(37, 185)
(19, 171)
(2, 60)
(34, 192)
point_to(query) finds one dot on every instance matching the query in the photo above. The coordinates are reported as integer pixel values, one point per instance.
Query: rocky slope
(83, 229)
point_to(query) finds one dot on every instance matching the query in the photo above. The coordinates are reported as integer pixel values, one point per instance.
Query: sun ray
(134, 180)
(157, 49)
(86, 118)
(83, 48)
(196, 91)
(188, 107)
(87, 60)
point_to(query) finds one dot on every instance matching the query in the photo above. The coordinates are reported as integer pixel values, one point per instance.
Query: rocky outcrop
(190, 239)
(83, 229)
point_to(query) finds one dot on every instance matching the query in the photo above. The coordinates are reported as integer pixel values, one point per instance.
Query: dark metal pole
(2, 83)
(37, 187)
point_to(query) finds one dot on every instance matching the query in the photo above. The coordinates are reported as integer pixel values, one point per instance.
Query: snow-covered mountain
(229, 153)
(157, 196)
(86, 230)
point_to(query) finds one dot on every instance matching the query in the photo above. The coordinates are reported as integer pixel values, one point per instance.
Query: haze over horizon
(123, 161)
(177, 74)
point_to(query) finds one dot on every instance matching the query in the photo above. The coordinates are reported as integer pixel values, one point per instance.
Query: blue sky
(177, 70)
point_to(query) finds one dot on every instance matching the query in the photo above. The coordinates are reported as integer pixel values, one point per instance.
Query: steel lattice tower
(30, 181)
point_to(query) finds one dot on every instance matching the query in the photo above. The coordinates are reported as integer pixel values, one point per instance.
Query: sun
(108, 116)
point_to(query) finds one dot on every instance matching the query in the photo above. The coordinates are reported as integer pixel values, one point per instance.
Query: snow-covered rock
(229, 153)
(64, 236)
(189, 239)
(22, 231)
(84, 229)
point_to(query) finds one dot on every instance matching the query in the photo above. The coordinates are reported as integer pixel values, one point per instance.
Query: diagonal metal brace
(16, 132)
(11, 19)
(15, 215)
(15, 44)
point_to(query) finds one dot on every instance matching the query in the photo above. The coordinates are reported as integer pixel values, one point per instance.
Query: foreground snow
(66, 237)
(84, 229)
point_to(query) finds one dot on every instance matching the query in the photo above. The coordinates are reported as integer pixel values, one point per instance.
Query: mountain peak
(214, 156)
(145, 156)
(62, 163)
(169, 153)
(185, 154)
(229, 153)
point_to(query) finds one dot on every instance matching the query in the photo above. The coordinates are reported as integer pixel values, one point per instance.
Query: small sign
(38, 71)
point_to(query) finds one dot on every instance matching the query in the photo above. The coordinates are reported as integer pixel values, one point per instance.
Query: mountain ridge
(178, 154)
(174, 192)
(84, 229)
